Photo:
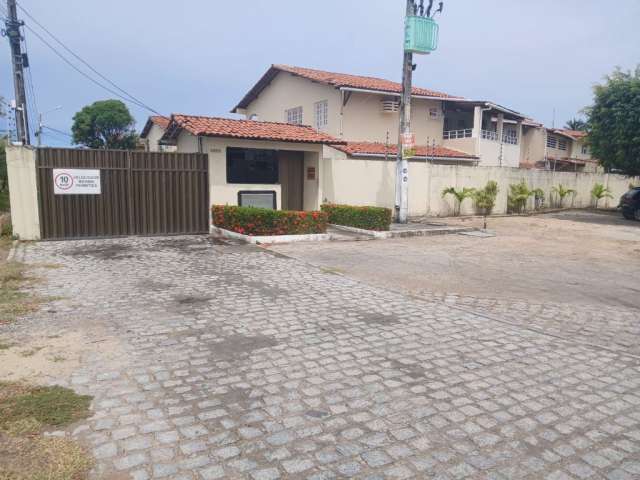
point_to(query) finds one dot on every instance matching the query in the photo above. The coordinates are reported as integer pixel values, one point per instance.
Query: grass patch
(13, 302)
(42, 459)
(48, 406)
(24, 453)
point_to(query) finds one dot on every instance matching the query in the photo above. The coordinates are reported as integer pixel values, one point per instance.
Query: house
(362, 109)
(558, 149)
(152, 133)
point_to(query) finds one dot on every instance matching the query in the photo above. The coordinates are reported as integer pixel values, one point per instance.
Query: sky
(202, 56)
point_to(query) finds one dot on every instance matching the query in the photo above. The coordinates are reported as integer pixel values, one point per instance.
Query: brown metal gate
(142, 193)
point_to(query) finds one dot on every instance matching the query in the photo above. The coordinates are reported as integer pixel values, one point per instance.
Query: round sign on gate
(63, 181)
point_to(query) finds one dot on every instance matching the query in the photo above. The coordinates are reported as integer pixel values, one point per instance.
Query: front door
(291, 166)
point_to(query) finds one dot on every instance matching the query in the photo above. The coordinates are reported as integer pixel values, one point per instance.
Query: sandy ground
(568, 257)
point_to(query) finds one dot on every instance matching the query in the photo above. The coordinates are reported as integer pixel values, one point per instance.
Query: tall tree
(104, 124)
(576, 124)
(614, 122)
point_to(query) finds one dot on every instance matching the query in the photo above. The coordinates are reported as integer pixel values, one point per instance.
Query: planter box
(314, 237)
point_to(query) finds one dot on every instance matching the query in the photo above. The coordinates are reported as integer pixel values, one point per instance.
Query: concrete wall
(223, 193)
(23, 192)
(372, 182)
(532, 146)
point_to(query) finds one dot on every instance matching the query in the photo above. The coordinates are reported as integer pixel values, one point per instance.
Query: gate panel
(169, 193)
(142, 193)
(80, 216)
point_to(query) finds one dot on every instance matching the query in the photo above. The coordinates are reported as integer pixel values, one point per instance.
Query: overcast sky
(201, 56)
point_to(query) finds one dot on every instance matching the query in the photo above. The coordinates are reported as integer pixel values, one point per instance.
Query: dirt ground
(568, 257)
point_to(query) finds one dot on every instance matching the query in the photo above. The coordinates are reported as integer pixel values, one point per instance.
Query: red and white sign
(74, 181)
(408, 144)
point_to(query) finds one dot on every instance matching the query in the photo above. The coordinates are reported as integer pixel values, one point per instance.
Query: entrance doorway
(291, 168)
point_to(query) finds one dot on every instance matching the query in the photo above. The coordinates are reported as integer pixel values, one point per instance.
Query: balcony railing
(489, 135)
(510, 139)
(453, 134)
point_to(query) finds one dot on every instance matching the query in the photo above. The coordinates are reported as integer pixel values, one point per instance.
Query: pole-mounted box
(421, 34)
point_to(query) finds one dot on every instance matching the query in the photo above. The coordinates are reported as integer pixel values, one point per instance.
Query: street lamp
(40, 124)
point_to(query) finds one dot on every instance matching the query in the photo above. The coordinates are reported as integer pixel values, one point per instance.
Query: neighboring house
(366, 109)
(558, 149)
(152, 133)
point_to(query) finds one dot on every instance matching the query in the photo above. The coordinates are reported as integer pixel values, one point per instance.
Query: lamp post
(40, 124)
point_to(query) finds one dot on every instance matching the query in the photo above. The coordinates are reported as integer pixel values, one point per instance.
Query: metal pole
(402, 163)
(13, 33)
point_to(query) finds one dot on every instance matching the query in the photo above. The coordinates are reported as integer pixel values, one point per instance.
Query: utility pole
(18, 62)
(402, 161)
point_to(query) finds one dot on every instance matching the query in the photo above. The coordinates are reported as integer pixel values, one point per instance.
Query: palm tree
(562, 192)
(576, 124)
(485, 199)
(519, 193)
(599, 191)
(459, 195)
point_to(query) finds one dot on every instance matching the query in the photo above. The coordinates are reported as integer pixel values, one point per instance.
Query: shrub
(262, 221)
(367, 218)
(459, 195)
(561, 191)
(485, 199)
(519, 193)
(599, 191)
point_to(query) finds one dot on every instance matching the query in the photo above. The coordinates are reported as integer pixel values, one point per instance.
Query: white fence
(371, 182)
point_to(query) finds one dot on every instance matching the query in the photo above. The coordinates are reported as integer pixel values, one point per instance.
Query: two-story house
(557, 149)
(364, 112)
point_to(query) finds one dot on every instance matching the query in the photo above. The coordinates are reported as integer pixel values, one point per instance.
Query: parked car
(630, 204)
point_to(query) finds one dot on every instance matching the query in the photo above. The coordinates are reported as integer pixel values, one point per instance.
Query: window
(247, 165)
(294, 116)
(585, 150)
(434, 113)
(562, 144)
(552, 142)
(322, 114)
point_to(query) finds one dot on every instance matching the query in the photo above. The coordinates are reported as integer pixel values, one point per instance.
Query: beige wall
(23, 192)
(288, 91)
(363, 120)
(371, 182)
(533, 145)
(153, 137)
(223, 193)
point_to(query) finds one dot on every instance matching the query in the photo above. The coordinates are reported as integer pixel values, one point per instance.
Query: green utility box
(421, 34)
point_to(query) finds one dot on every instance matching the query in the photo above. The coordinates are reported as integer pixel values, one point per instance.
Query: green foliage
(368, 218)
(518, 195)
(561, 191)
(459, 195)
(614, 122)
(106, 124)
(576, 124)
(599, 191)
(51, 406)
(485, 199)
(262, 221)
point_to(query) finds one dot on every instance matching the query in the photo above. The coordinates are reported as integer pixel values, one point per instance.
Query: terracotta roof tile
(250, 129)
(373, 148)
(159, 120)
(357, 81)
(573, 133)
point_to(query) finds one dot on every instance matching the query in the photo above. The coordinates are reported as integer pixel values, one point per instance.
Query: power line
(131, 97)
(58, 131)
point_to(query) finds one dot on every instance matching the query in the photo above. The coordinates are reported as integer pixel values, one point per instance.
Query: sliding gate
(107, 193)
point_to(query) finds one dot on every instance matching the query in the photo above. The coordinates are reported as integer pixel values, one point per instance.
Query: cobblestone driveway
(240, 363)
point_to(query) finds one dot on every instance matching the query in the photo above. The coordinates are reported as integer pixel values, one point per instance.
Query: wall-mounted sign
(311, 173)
(408, 145)
(74, 181)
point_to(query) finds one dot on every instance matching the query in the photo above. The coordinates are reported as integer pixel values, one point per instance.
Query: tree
(485, 199)
(459, 195)
(576, 124)
(614, 122)
(562, 192)
(599, 191)
(105, 124)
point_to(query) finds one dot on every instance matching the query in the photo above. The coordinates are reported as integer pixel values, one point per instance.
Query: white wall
(23, 192)
(372, 182)
(223, 193)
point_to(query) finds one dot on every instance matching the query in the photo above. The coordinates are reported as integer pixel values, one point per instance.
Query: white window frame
(552, 142)
(321, 110)
(293, 116)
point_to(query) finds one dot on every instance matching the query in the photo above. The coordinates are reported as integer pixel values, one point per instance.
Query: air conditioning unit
(390, 106)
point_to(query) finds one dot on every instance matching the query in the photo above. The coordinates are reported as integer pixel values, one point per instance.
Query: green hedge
(367, 218)
(262, 221)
